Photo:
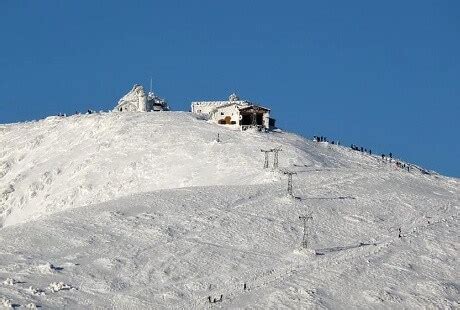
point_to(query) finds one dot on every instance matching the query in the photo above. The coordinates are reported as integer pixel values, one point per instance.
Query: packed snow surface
(147, 210)
(60, 163)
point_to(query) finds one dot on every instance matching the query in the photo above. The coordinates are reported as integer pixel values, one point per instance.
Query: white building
(236, 113)
(206, 107)
(138, 100)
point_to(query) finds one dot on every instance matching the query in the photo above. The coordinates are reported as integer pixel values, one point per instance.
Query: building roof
(237, 103)
(242, 107)
(252, 106)
(219, 103)
(232, 99)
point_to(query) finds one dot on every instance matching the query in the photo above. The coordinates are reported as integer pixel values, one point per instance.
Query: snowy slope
(175, 248)
(146, 210)
(60, 163)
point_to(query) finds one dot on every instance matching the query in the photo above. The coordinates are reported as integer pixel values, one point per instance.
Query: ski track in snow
(146, 210)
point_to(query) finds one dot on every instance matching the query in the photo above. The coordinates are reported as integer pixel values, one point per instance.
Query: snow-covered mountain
(60, 163)
(147, 210)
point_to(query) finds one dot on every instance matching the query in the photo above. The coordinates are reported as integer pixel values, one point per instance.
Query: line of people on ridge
(77, 113)
(399, 164)
(385, 158)
(361, 149)
(324, 139)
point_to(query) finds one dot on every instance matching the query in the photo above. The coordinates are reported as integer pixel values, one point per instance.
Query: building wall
(228, 113)
(142, 106)
(267, 120)
(127, 106)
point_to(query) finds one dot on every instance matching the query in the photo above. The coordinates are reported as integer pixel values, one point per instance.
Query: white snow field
(148, 211)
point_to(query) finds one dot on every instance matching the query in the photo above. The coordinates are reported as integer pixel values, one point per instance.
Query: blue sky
(379, 74)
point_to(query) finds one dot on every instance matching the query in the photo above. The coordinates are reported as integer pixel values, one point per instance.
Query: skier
(399, 232)
(391, 155)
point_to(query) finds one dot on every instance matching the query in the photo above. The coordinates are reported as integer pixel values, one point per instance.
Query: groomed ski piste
(148, 210)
